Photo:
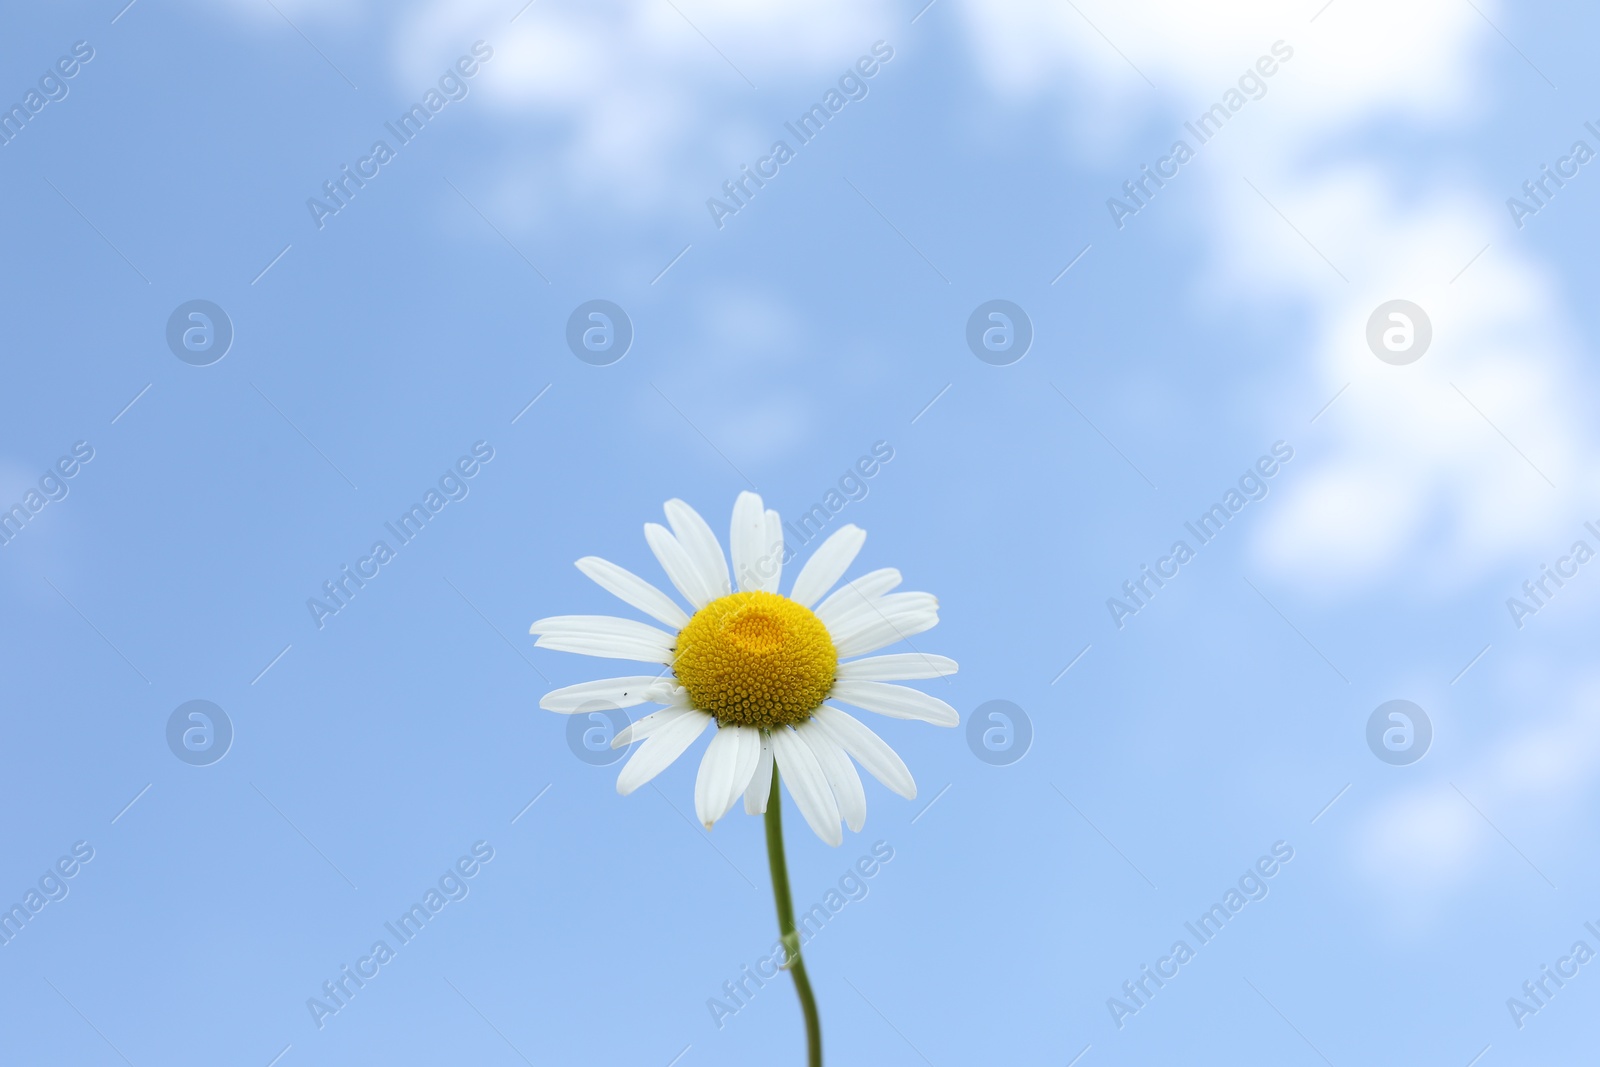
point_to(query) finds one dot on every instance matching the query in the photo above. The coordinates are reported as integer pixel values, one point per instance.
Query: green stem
(786, 928)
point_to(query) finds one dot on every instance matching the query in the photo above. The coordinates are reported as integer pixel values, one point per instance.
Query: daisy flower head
(761, 666)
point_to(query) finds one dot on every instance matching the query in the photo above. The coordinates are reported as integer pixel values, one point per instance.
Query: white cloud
(1414, 847)
(1410, 463)
(1402, 482)
(1402, 468)
(634, 106)
(639, 100)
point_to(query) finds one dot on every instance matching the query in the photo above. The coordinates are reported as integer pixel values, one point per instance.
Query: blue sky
(375, 347)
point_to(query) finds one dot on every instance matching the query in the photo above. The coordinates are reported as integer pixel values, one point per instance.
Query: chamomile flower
(764, 668)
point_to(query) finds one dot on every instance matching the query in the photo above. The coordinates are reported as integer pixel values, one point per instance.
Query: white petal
(840, 772)
(896, 701)
(660, 749)
(715, 774)
(601, 626)
(827, 564)
(603, 635)
(753, 741)
(695, 535)
(647, 725)
(798, 768)
(870, 750)
(612, 692)
(900, 667)
(634, 590)
(747, 538)
(772, 553)
(852, 617)
(605, 648)
(678, 564)
(904, 618)
(725, 772)
(759, 791)
(666, 690)
(850, 594)
(876, 633)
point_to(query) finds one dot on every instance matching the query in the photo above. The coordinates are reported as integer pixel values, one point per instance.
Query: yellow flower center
(756, 659)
